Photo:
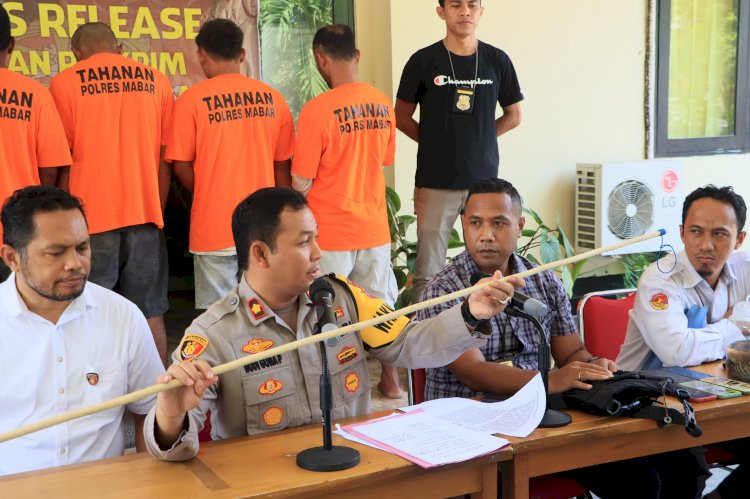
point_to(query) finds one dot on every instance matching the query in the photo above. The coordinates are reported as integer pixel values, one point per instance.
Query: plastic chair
(603, 320)
(205, 434)
(602, 323)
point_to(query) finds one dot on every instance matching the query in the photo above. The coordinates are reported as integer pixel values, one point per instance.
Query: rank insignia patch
(351, 383)
(92, 378)
(257, 345)
(256, 309)
(273, 416)
(192, 346)
(347, 354)
(270, 386)
(659, 301)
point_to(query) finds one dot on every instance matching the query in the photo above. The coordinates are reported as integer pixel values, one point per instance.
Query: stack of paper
(452, 430)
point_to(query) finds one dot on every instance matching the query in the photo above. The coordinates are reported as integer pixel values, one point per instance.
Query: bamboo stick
(243, 361)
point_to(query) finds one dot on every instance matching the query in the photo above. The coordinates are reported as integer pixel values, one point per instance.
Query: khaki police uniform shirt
(283, 391)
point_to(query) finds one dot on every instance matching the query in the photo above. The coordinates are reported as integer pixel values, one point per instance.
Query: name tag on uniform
(464, 101)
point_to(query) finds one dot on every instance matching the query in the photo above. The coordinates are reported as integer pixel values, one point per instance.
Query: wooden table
(591, 440)
(258, 466)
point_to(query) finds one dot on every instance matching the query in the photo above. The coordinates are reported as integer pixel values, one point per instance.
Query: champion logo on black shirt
(442, 80)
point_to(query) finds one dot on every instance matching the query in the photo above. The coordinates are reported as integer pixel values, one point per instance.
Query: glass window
(287, 28)
(702, 86)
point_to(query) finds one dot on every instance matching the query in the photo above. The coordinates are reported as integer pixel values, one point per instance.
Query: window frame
(737, 143)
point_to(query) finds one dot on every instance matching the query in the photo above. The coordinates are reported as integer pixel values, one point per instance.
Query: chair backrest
(416, 381)
(603, 320)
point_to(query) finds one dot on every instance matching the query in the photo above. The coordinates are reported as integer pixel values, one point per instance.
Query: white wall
(581, 64)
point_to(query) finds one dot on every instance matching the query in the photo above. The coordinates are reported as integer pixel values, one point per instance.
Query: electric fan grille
(630, 210)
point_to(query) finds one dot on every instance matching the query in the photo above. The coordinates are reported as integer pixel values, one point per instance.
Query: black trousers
(672, 475)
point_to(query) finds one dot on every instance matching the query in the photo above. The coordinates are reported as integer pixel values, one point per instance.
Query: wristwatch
(469, 319)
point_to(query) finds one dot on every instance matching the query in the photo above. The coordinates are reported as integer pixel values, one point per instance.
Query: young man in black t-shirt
(458, 83)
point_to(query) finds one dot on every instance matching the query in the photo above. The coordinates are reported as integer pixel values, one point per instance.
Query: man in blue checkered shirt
(492, 221)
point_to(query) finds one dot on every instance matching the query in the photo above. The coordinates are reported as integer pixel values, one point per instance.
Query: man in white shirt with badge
(66, 343)
(682, 309)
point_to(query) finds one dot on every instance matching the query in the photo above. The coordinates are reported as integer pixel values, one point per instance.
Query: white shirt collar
(12, 305)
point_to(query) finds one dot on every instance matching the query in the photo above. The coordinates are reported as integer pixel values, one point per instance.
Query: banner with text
(154, 32)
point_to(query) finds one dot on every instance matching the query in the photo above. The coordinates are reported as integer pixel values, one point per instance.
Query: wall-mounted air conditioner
(618, 201)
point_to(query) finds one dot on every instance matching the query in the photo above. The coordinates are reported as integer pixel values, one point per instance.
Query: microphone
(322, 295)
(519, 301)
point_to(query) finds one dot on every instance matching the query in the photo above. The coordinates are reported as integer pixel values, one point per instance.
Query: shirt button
(61, 390)
(59, 359)
(62, 450)
(233, 301)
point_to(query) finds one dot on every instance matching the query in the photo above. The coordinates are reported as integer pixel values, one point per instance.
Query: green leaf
(454, 241)
(533, 259)
(567, 280)
(411, 258)
(528, 233)
(534, 215)
(577, 266)
(393, 198)
(549, 248)
(400, 277)
(563, 238)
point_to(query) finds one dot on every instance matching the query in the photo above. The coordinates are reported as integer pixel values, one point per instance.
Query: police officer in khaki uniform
(275, 235)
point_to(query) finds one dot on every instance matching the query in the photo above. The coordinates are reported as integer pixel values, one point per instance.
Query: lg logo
(669, 181)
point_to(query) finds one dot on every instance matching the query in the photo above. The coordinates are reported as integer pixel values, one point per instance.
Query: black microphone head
(319, 286)
(477, 276)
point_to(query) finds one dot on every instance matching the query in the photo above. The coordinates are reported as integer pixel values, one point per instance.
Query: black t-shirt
(456, 150)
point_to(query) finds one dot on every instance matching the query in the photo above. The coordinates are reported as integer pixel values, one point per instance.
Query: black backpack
(632, 394)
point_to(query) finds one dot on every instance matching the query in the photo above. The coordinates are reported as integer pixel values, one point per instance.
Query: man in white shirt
(681, 314)
(682, 310)
(66, 343)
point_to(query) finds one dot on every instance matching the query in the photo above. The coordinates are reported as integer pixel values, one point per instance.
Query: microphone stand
(329, 457)
(552, 418)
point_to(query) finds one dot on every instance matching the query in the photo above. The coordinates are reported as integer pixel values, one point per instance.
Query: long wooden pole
(243, 361)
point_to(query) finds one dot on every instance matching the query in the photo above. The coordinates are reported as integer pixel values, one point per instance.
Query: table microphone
(519, 300)
(322, 295)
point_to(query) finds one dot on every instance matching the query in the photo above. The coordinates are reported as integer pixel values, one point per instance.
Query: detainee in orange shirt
(344, 138)
(116, 113)
(32, 141)
(231, 136)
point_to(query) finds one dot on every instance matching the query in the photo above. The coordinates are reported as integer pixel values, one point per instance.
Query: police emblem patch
(273, 416)
(659, 301)
(192, 346)
(257, 309)
(347, 354)
(257, 345)
(92, 378)
(339, 312)
(351, 382)
(270, 386)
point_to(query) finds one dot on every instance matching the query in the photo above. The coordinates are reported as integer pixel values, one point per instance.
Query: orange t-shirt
(344, 138)
(232, 128)
(116, 113)
(31, 135)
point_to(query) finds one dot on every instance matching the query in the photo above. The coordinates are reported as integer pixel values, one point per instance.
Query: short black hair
(258, 216)
(336, 40)
(20, 208)
(496, 186)
(725, 195)
(442, 3)
(221, 39)
(5, 37)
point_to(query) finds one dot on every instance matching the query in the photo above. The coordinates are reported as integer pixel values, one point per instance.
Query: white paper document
(426, 440)
(517, 416)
